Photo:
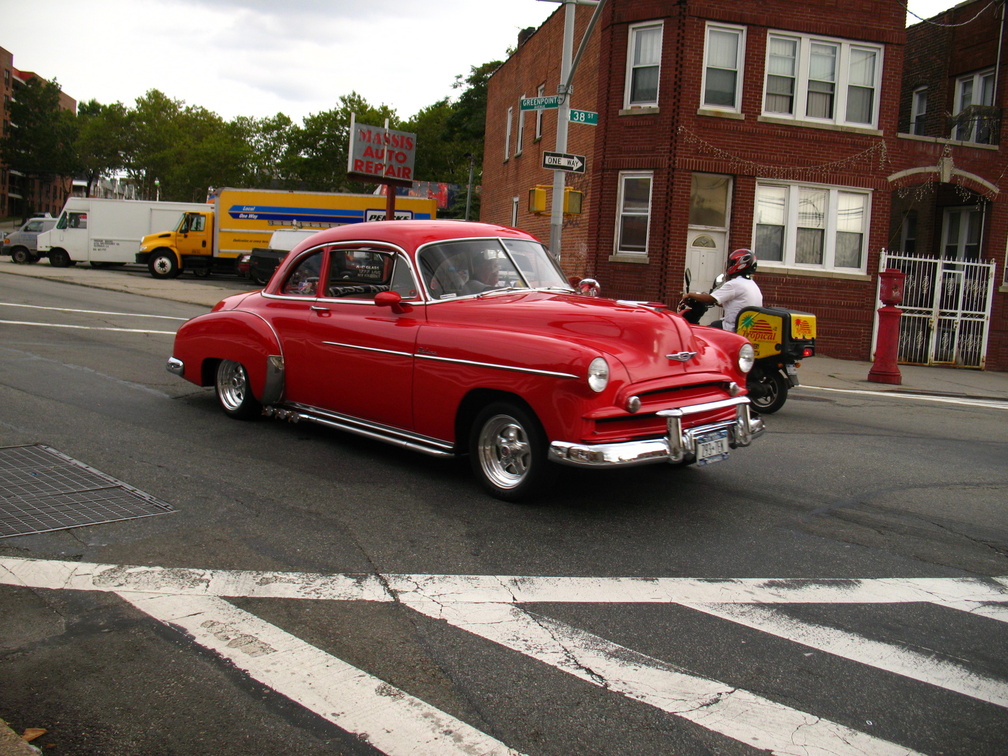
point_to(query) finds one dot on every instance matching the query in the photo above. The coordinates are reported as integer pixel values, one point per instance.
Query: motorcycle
(780, 339)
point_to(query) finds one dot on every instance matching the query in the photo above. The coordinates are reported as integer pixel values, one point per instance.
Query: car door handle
(320, 309)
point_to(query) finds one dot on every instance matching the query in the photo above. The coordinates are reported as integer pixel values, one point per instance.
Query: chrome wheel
(508, 451)
(233, 390)
(504, 451)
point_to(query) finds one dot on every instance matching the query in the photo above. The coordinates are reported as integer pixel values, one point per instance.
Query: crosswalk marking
(489, 606)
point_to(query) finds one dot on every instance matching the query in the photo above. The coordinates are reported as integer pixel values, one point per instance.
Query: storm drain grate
(43, 490)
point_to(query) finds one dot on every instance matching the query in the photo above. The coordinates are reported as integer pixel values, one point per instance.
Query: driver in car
(486, 273)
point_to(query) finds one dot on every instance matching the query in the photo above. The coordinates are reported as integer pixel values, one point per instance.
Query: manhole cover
(42, 490)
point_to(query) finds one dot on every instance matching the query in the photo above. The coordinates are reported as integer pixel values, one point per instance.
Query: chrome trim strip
(368, 349)
(395, 436)
(495, 366)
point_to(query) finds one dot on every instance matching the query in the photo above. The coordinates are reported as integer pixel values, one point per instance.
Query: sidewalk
(820, 372)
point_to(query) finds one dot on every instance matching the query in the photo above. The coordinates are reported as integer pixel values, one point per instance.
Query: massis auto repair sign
(380, 154)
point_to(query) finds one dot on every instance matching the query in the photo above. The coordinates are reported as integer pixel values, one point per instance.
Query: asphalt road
(839, 585)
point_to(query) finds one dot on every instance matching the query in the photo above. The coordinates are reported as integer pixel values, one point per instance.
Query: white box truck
(107, 231)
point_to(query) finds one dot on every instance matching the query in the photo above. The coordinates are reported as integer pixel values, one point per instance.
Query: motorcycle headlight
(746, 358)
(598, 374)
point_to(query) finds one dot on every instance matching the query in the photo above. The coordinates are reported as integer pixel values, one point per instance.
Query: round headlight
(598, 374)
(746, 358)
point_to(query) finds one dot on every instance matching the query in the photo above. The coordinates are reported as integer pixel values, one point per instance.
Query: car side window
(304, 278)
(356, 273)
(403, 282)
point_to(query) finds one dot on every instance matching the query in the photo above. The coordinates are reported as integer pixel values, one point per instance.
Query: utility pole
(564, 90)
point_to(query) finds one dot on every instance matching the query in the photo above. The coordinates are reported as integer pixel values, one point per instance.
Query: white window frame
(622, 211)
(628, 101)
(507, 134)
(793, 221)
(918, 109)
(740, 46)
(843, 86)
(521, 131)
(976, 81)
(539, 113)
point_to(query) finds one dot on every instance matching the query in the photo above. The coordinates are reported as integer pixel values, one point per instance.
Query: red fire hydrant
(885, 369)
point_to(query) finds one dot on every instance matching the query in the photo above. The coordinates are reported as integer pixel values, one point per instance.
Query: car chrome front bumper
(678, 445)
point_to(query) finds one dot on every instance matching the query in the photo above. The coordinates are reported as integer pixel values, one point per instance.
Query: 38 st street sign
(561, 161)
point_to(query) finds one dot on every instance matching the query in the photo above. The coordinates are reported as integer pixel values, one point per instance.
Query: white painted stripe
(899, 660)
(89, 312)
(984, 597)
(722, 708)
(989, 403)
(380, 714)
(959, 593)
(178, 581)
(84, 328)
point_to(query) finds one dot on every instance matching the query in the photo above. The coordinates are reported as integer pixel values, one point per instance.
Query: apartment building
(826, 136)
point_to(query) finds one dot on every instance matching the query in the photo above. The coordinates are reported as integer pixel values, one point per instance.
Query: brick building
(787, 127)
(19, 194)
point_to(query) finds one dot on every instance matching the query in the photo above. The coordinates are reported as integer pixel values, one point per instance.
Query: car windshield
(474, 266)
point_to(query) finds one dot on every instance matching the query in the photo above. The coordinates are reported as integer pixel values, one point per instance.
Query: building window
(822, 80)
(723, 67)
(974, 115)
(507, 134)
(643, 65)
(918, 109)
(817, 227)
(634, 208)
(709, 200)
(539, 114)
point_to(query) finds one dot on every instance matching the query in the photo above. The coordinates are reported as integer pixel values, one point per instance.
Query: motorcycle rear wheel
(767, 392)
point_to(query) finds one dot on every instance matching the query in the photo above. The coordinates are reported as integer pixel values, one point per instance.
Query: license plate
(791, 369)
(711, 447)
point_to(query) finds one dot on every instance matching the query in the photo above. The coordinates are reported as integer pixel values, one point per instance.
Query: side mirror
(719, 281)
(391, 299)
(589, 287)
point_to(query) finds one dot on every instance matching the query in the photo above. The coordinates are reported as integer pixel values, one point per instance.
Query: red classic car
(465, 338)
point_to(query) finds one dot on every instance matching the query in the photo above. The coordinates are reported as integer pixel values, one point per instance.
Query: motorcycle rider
(736, 293)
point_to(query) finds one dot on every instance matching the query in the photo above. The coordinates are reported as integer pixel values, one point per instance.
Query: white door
(705, 259)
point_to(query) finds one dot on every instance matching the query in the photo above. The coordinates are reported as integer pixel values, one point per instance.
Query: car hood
(640, 336)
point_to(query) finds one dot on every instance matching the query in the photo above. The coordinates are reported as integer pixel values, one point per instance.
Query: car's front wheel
(507, 451)
(234, 391)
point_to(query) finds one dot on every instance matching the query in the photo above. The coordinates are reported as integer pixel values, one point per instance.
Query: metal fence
(946, 309)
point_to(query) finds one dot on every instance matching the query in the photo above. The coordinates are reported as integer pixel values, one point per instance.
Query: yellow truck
(236, 221)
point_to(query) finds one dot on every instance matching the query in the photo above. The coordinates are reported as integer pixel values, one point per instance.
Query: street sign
(583, 116)
(561, 161)
(541, 103)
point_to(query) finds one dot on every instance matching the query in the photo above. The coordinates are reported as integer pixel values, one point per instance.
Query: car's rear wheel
(234, 391)
(507, 451)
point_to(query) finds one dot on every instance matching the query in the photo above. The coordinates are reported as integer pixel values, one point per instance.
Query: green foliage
(40, 143)
(178, 152)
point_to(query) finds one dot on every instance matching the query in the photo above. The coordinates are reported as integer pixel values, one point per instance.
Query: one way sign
(561, 161)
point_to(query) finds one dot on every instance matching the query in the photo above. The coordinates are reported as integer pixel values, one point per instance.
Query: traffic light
(572, 201)
(537, 199)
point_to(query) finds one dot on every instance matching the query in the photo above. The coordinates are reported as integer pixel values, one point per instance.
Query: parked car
(22, 244)
(458, 338)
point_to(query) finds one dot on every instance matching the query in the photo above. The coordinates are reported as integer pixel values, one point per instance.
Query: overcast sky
(262, 57)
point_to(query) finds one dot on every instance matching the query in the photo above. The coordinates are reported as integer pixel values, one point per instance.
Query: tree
(40, 142)
(101, 133)
(320, 146)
